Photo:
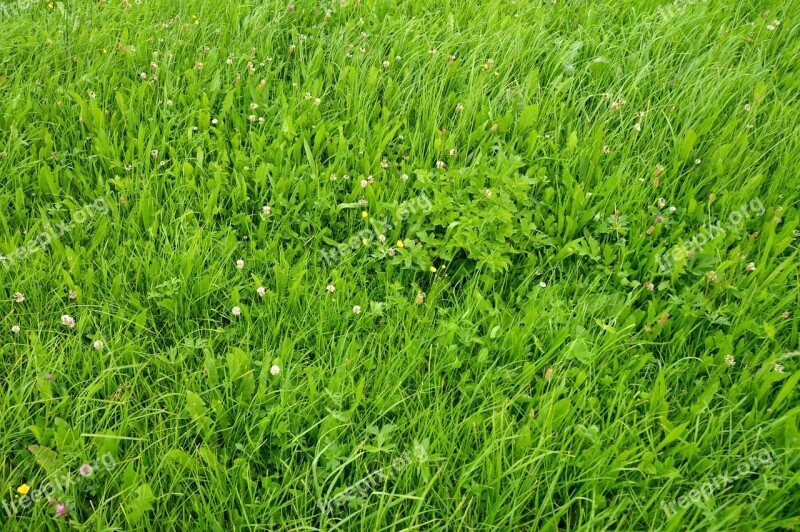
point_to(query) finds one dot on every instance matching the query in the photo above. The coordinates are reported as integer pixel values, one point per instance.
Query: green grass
(523, 344)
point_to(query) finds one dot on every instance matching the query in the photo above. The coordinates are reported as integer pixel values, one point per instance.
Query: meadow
(399, 265)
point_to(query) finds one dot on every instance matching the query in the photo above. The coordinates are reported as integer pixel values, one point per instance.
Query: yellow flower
(105, 51)
(400, 243)
(24, 489)
(49, 5)
(433, 269)
(365, 241)
(364, 214)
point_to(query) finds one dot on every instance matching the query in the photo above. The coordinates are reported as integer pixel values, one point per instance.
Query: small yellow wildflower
(364, 214)
(49, 5)
(400, 243)
(24, 489)
(365, 241)
(433, 269)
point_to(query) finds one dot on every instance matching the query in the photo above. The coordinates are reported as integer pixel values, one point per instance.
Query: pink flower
(85, 470)
(49, 376)
(68, 320)
(61, 510)
(659, 219)
(290, 7)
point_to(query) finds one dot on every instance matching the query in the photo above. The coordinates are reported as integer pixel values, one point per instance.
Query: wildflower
(616, 105)
(214, 121)
(356, 309)
(143, 75)
(432, 269)
(400, 244)
(364, 214)
(606, 149)
(169, 103)
(382, 238)
(452, 59)
(333, 177)
(459, 108)
(778, 368)
(154, 154)
(49, 376)
(198, 65)
(61, 510)
(637, 127)
(662, 202)
(785, 314)
(404, 177)
(15, 329)
(239, 264)
(266, 209)
(751, 266)
(317, 101)
(747, 107)
(92, 94)
(290, 7)
(548, 373)
(543, 284)
(19, 297)
(364, 183)
(658, 171)
(236, 311)
(420, 298)
(651, 229)
(672, 209)
(384, 164)
(362, 200)
(391, 252)
(712, 276)
(453, 152)
(650, 287)
(698, 161)
(493, 128)
(73, 294)
(261, 291)
(85, 470)
(440, 164)
(98, 345)
(68, 320)
(431, 52)
(23, 489)
(729, 360)
(330, 288)
(659, 219)
(487, 193)
(386, 64)
(274, 370)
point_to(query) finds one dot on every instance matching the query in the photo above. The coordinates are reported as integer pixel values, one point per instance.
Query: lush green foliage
(521, 295)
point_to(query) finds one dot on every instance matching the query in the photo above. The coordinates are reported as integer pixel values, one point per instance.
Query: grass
(552, 334)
